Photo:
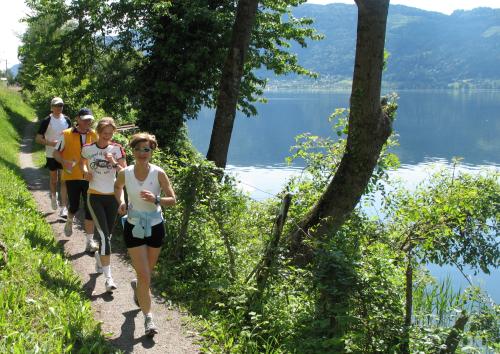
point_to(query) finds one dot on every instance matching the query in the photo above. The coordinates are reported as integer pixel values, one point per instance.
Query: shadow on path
(127, 331)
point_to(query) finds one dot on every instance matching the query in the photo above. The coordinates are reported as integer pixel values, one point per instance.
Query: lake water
(433, 127)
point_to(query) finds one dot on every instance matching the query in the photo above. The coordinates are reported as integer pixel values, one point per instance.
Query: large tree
(369, 127)
(230, 82)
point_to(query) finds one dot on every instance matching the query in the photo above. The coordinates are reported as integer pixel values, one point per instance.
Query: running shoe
(133, 284)
(110, 285)
(91, 246)
(63, 213)
(149, 327)
(68, 228)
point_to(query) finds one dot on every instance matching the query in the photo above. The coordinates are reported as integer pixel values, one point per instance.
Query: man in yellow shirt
(68, 154)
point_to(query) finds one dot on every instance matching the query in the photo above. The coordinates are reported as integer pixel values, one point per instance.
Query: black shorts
(52, 164)
(155, 241)
(77, 190)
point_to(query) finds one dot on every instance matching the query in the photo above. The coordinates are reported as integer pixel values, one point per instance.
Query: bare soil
(121, 319)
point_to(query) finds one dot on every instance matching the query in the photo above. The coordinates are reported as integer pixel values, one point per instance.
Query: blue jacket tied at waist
(143, 227)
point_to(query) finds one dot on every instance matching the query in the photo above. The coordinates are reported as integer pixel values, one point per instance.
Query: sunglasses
(58, 105)
(144, 149)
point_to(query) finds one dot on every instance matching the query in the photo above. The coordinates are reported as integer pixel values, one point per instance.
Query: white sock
(98, 259)
(107, 271)
(89, 237)
(149, 314)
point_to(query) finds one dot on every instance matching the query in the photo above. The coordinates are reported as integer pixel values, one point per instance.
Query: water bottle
(69, 169)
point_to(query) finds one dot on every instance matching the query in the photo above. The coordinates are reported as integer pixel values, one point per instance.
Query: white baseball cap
(56, 101)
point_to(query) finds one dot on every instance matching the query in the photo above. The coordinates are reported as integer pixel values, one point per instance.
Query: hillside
(427, 49)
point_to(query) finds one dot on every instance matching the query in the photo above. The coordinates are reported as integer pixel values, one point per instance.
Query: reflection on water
(432, 127)
(263, 182)
(429, 125)
(445, 125)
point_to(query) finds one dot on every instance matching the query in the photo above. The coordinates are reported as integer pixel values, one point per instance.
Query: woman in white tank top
(143, 230)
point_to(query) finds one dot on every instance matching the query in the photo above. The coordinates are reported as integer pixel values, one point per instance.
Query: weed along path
(122, 321)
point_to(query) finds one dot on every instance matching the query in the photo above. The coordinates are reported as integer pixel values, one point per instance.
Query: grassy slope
(42, 305)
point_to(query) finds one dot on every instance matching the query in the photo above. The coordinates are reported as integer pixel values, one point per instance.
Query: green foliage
(14, 109)
(360, 293)
(350, 300)
(451, 219)
(438, 306)
(43, 307)
(160, 64)
(48, 85)
(157, 62)
(201, 252)
(216, 238)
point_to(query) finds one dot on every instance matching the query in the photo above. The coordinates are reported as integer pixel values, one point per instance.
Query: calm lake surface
(433, 127)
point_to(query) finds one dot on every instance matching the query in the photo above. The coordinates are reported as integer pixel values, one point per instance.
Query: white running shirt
(54, 131)
(103, 173)
(134, 187)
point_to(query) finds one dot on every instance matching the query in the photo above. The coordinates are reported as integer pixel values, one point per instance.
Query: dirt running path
(120, 317)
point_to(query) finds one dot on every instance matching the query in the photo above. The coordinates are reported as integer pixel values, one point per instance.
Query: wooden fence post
(264, 268)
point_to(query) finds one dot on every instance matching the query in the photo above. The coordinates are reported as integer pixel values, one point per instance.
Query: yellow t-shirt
(70, 147)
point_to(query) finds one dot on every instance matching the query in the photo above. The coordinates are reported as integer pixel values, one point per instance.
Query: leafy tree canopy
(162, 59)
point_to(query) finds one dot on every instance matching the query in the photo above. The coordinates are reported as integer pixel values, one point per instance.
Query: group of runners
(86, 164)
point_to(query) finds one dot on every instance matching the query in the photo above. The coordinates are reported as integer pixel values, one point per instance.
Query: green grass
(42, 305)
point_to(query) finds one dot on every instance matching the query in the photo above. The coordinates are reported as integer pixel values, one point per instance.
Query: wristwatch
(157, 200)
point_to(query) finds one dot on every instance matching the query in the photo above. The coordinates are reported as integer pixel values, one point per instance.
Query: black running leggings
(103, 208)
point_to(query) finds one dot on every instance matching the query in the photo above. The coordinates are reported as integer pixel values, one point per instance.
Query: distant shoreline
(294, 86)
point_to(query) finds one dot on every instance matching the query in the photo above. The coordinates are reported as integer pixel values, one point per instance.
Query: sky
(11, 28)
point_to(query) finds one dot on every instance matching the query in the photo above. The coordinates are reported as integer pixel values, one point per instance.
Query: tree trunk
(270, 255)
(230, 82)
(265, 268)
(230, 254)
(369, 128)
(405, 345)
